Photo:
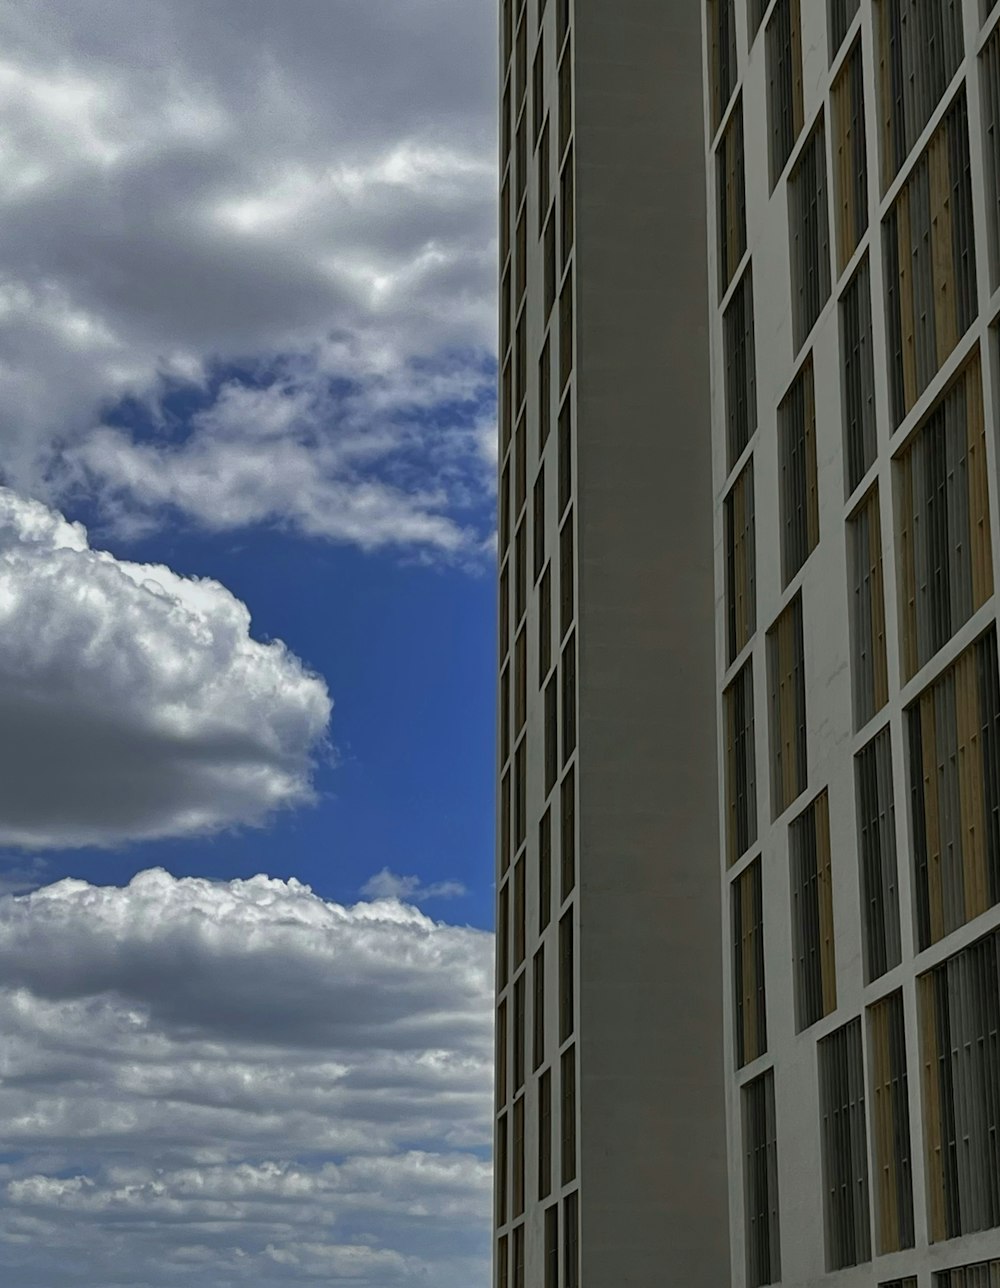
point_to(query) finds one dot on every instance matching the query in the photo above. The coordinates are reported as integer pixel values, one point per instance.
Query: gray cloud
(134, 702)
(306, 184)
(242, 1084)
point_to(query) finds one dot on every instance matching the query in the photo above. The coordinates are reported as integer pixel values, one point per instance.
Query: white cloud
(134, 702)
(308, 185)
(240, 1084)
(389, 885)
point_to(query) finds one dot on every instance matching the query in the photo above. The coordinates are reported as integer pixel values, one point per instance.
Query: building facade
(610, 1105)
(853, 155)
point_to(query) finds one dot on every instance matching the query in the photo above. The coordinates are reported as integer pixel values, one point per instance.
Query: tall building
(752, 905)
(610, 1125)
(853, 153)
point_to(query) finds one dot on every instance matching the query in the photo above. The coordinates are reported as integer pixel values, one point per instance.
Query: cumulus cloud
(301, 190)
(134, 702)
(241, 1084)
(389, 885)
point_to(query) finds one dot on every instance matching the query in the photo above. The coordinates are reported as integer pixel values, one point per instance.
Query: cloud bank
(134, 702)
(294, 195)
(240, 1084)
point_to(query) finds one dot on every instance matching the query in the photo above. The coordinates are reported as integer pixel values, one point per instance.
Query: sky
(247, 491)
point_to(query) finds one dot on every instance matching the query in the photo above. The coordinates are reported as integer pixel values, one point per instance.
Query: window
(518, 1044)
(741, 563)
(809, 225)
(552, 1246)
(520, 363)
(545, 1135)
(544, 871)
(567, 836)
(858, 376)
(569, 699)
(504, 720)
(504, 507)
(521, 238)
(551, 734)
(741, 375)
(520, 572)
(508, 29)
(877, 855)
(538, 1009)
(545, 624)
(565, 101)
(538, 523)
(566, 985)
(841, 15)
(544, 395)
(519, 926)
(501, 1169)
(730, 186)
(506, 396)
(565, 332)
(741, 773)
(797, 464)
(757, 10)
(930, 262)
(565, 454)
(787, 697)
(920, 45)
(520, 163)
(568, 1064)
(502, 1262)
(722, 55)
(566, 207)
(760, 1181)
(566, 572)
(911, 1282)
(520, 680)
(954, 729)
(505, 822)
(505, 219)
(890, 1124)
(505, 126)
(562, 22)
(850, 164)
(869, 671)
(503, 1090)
(845, 1147)
(517, 1186)
(959, 1005)
(982, 1274)
(946, 558)
(812, 914)
(990, 79)
(538, 89)
(518, 1240)
(520, 793)
(544, 167)
(783, 38)
(549, 256)
(503, 935)
(748, 965)
(571, 1240)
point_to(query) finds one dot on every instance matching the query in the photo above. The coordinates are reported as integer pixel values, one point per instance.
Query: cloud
(134, 702)
(387, 885)
(240, 1083)
(302, 190)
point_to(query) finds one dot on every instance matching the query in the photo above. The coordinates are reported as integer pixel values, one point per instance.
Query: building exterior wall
(632, 663)
(833, 734)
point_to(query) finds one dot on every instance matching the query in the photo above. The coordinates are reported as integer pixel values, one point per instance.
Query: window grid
(741, 376)
(845, 1148)
(890, 1125)
(809, 228)
(741, 773)
(799, 492)
(741, 559)
(787, 695)
(870, 669)
(730, 179)
(954, 731)
(760, 1174)
(850, 158)
(959, 1005)
(812, 914)
(858, 377)
(783, 37)
(877, 856)
(749, 998)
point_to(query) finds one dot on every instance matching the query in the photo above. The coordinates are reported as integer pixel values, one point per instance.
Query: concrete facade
(632, 662)
(833, 736)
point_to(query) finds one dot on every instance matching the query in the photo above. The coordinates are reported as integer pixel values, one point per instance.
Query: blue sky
(247, 642)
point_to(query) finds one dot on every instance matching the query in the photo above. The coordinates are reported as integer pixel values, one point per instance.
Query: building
(610, 1127)
(775, 931)
(853, 156)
